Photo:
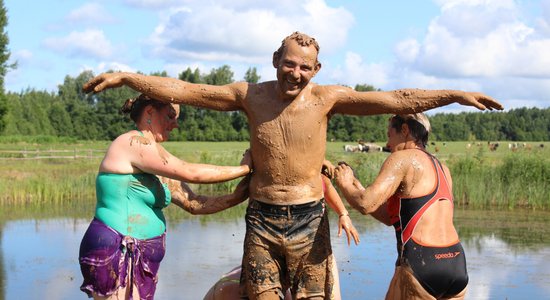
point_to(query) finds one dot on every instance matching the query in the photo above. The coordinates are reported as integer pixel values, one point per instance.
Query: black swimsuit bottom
(441, 271)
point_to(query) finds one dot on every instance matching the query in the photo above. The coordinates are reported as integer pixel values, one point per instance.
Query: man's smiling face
(295, 68)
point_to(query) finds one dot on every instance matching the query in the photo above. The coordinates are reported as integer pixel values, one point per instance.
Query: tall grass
(481, 178)
(518, 181)
(55, 181)
(49, 181)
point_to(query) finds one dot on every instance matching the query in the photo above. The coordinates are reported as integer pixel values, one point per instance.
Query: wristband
(343, 214)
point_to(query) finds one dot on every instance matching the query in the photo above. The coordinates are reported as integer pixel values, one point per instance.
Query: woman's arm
(153, 158)
(184, 197)
(344, 220)
(369, 200)
(381, 214)
(218, 97)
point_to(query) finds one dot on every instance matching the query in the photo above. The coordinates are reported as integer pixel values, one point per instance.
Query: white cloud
(543, 21)
(153, 4)
(22, 56)
(474, 45)
(110, 66)
(82, 44)
(475, 38)
(407, 50)
(91, 13)
(355, 71)
(246, 32)
(25, 58)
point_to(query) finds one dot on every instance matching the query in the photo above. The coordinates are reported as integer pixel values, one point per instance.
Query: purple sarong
(105, 255)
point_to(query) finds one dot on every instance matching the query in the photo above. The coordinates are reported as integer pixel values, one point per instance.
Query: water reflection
(508, 256)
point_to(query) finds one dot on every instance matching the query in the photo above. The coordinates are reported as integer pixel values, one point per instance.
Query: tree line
(70, 113)
(73, 114)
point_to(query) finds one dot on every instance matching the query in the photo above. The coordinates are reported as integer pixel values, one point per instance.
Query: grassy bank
(482, 178)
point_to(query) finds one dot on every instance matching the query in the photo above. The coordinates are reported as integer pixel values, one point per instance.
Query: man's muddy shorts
(287, 246)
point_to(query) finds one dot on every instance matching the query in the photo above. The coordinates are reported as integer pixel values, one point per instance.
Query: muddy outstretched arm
(406, 101)
(225, 97)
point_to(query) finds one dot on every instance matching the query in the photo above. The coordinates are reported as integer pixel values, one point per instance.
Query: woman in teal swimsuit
(121, 251)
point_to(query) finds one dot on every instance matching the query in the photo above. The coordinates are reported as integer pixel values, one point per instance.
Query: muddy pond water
(507, 252)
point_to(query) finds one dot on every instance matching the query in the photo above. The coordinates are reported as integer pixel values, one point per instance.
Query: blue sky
(498, 47)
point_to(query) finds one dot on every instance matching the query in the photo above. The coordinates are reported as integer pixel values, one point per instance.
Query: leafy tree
(219, 76)
(72, 113)
(365, 88)
(60, 119)
(28, 113)
(13, 116)
(71, 89)
(159, 73)
(3, 111)
(109, 118)
(191, 76)
(251, 76)
(4, 66)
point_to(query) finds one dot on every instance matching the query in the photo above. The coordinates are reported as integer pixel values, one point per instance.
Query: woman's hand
(328, 169)
(344, 222)
(241, 190)
(247, 160)
(343, 175)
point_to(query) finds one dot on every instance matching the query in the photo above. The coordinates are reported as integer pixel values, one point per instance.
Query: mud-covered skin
(410, 174)
(288, 117)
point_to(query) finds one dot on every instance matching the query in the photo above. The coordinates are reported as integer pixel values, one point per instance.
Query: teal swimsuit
(132, 203)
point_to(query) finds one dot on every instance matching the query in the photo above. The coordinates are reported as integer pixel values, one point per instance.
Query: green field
(482, 178)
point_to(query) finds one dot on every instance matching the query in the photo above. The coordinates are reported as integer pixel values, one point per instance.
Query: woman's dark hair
(418, 123)
(135, 106)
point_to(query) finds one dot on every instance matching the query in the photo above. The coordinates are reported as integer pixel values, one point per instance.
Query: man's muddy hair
(302, 39)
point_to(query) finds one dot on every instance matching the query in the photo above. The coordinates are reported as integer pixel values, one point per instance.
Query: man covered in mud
(287, 241)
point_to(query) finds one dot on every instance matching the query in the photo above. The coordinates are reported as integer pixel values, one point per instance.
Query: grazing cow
(493, 146)
(370, 147)
(352, 148)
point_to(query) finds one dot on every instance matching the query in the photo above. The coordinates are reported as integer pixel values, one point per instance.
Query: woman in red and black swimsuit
(413, 192)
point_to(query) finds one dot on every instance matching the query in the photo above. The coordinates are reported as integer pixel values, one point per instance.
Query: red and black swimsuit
(440, 270)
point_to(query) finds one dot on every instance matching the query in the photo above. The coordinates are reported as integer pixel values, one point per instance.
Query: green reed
(481, 178)
(56, 181)
(46, 181)
(517, 181)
